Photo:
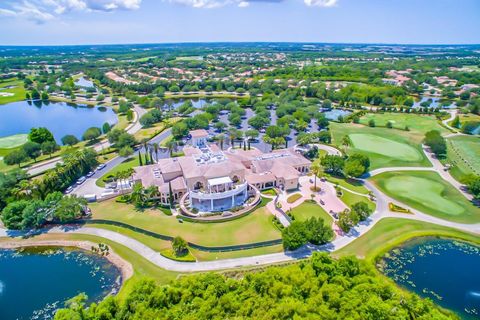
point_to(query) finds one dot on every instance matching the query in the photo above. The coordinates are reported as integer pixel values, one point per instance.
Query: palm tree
(151, 192)
(346, 142)
(155, 149)
(171, 146)
(220, 138)
(138, 195)
(316, 169)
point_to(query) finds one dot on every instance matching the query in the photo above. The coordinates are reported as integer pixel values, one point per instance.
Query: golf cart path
(382, 211)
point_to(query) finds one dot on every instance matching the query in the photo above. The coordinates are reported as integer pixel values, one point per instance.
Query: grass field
(415, 122)
(347, 183)
(465, 117)
(429, 193)
(385, 147)
(15, 93)
(464, 154)
(391, 232)
(14, 141)
(310, 209)
(127, 164)
(351, 198)
(254, 227)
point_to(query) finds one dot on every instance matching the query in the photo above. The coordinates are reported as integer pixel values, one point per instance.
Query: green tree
(333, 164)
(69, 140)
(92, 134)
(49, 147)
(179, 246)
(40, 135)
(125, 152)
(436, 142)
(15, 157)
(69, 208)
(32, 150)
(106, 127)
(12, 214)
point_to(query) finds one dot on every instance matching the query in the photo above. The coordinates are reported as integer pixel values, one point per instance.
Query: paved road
(134, 127)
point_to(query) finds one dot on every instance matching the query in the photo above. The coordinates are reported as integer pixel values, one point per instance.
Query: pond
(59, 117)
(82, 82)
(172, 104)
(334, 114)
(36, 282)
(432, 102)
(446, 271)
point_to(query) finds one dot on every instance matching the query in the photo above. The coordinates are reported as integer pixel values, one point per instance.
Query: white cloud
(244, 4)
(41, 11)
(206, 4)
(321, 3)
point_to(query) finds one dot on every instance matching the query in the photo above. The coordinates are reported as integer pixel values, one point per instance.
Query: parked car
(81, 180)
(90, 174)
(101, 166)
(322, 202)
(69, 190)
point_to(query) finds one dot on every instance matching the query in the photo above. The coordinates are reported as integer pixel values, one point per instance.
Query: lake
(335, 114)
(82, 82)
(36, 282)
(59, 117)
(446, 271)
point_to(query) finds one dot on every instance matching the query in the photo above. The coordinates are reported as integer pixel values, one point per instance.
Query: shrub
(294, 197)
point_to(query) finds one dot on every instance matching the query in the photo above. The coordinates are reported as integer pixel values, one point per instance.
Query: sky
(72, 22)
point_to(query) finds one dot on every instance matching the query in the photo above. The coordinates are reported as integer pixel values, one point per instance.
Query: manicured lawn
(16, 93)
(415, 122)
(464, 154)
(269, 192)
(127, 164)
(13, 141)
(254, 227)
(391, 232)
(350, 184)
(429, 193)
(385, 147)
(310, 209)
(161, 245)
(467, 117)
(351, 198)
(294, 197)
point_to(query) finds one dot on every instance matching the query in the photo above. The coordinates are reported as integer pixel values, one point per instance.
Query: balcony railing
(239, 188)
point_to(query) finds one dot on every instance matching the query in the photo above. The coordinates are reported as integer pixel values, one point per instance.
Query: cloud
(41, 11)
(244, 4)
(321, 3)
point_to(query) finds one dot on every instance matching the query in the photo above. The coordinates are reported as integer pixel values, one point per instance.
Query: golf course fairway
(429, 193)
(388, 148)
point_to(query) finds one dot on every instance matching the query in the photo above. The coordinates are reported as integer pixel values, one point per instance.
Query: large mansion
(213, 180)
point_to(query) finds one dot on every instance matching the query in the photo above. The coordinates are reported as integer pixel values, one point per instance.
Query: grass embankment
(463, 154)
(385, 147)
(416, 123)
(350, 199)
(254, 227)
(350, 184)
(127, 164)
(391, 232)
(428, 192)
(11, 90)
(309, 209)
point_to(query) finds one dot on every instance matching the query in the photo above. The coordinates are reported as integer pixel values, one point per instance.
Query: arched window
(235, 179)
(198, 185)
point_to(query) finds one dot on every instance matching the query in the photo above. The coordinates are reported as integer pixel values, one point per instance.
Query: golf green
(13, 141)
(429, 193)
(389, 148)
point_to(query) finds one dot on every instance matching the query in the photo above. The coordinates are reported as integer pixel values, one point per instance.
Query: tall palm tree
(316, 169)
(155, 149)
(346, 142)
(171, 146)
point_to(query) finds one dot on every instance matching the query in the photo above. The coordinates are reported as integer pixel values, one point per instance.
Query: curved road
(382, 211)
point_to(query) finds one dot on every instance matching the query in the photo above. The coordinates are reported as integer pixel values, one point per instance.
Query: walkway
(382, 211)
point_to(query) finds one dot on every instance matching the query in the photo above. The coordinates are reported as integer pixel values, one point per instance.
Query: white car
(81, 180)
(90, 174)
(101, 166)
(68, 190)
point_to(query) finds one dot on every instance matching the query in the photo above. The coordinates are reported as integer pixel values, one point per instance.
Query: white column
(211, 204)
(233, 200)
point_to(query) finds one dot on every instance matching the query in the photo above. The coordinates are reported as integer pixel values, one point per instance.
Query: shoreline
(123, 265)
